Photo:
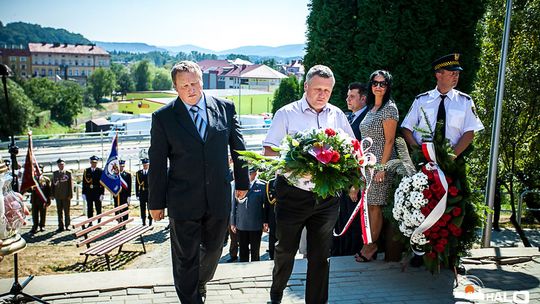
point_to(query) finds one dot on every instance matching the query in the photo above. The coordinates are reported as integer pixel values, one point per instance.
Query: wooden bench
(116, 240)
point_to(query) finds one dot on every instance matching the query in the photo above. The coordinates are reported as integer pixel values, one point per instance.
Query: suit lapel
(212, 114)
(184, 119)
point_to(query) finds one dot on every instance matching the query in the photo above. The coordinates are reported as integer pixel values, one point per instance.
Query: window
(43, 72)
(23, 73)
(76, 62)
(50, 72)
(22, 59)
(23, 66)
(76, 72)
(12, 58)
(82, 73)
(70, 72)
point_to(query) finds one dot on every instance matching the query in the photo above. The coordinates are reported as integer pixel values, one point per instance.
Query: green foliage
(124, 82)
(141, 76)
(22, 111)
(287, 92)
(519, 165)
(403, 37)
(159, 59)
(23, 33)
(101, 83)
(239, 56)
(70, 102)
(42, 91)
(162, 80)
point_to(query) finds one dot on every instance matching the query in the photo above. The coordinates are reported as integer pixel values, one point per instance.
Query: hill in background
(18, 33)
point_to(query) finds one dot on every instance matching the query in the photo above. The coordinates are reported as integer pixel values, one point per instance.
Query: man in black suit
(125, 193)
(351, 242)
(92, 190)
(141, 190)
(193, 133)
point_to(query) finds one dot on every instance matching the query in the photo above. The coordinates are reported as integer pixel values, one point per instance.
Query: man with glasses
(454, 108)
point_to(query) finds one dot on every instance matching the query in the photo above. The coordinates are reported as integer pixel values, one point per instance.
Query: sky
(214, 24)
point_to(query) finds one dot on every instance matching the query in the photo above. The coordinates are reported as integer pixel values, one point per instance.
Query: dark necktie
(200, 124)
(441, 115)
(351, 118)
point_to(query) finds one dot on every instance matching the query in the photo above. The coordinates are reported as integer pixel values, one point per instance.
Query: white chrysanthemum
(419, 239)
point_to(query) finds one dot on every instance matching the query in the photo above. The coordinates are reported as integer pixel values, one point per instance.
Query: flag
(31, 172)
(110, 178)
(123, 182)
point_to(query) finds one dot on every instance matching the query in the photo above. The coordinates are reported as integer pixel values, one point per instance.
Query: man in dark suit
(351, 242)
(125, 193)
(193, 133)
(141, 190)
(92, 190)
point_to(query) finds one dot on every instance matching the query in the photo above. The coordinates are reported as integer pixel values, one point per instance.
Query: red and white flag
(31, 173)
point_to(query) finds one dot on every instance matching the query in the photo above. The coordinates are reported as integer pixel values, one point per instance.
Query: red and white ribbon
(429, 152)
(366, 160)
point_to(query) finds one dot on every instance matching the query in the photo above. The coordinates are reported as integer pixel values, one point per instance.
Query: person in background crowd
(141, 190)
(62, 192)
(92, 190)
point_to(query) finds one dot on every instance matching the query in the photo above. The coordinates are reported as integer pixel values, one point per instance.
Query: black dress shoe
(232, 259)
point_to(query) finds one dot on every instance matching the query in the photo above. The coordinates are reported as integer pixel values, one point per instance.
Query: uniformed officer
(62, 192)
(444, 102)
(125, 193)
(92, 190)
(39, 207)
(141, 190)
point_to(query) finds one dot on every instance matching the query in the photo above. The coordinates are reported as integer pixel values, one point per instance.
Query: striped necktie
(200, 124)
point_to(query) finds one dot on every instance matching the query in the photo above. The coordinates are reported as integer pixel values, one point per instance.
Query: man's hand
(353, 194)
(233, 229)
(158, 214)
(128, 200)
(84, 197)
(241, 194)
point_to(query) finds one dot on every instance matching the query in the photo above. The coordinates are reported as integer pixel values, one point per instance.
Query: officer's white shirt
(460, 114)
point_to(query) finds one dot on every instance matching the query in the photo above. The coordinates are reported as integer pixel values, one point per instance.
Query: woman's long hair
(370, 100)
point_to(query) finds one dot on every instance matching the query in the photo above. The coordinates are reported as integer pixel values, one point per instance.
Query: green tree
(70, 103)
(102, 82)
(287, 92)
(162, 80)
(141, 76)
(42, 91)
(355, 38)
(124, 82)
(22, 110)
(237, 56)
(520, 125)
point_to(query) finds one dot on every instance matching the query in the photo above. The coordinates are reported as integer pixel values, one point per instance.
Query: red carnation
(426, 233)
(453, 190)
(330, 132)
(436, 188)
(439, 248)
(446, 217)
(444, 233)
(425, 210)
(335, 156)
(431, 255)
(434, 236)
(356, 144)
(443, 241)
(432, 204)
(456, 211)
(456, 232)
(427, 193)
(435, 228)
(449, 180)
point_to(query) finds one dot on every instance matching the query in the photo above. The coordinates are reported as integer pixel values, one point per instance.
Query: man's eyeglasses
(381, 84)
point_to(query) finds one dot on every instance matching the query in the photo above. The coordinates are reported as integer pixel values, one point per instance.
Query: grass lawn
(141, 95)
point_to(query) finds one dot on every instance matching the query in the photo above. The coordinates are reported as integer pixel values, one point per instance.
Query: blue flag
(110, 178)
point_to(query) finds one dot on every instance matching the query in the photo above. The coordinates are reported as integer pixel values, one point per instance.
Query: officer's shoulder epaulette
(464, 95)
(420, 95)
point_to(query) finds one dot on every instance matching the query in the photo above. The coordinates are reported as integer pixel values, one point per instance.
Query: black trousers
(62, 210)
(90, 203)
(250, 244)
(233, 248)
(196, 247)
(295, 209)
(123, 200)
(143, 200)
(39, 214)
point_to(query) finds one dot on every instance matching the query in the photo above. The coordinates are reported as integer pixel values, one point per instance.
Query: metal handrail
(520, 203)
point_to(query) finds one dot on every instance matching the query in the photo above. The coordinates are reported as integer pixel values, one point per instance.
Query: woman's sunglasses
(382, 84)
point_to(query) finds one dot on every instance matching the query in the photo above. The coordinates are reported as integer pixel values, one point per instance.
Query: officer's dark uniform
(141, 191)
(92, 188)
(124, 193)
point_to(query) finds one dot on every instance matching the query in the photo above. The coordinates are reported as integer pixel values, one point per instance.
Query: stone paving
(350, 282)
